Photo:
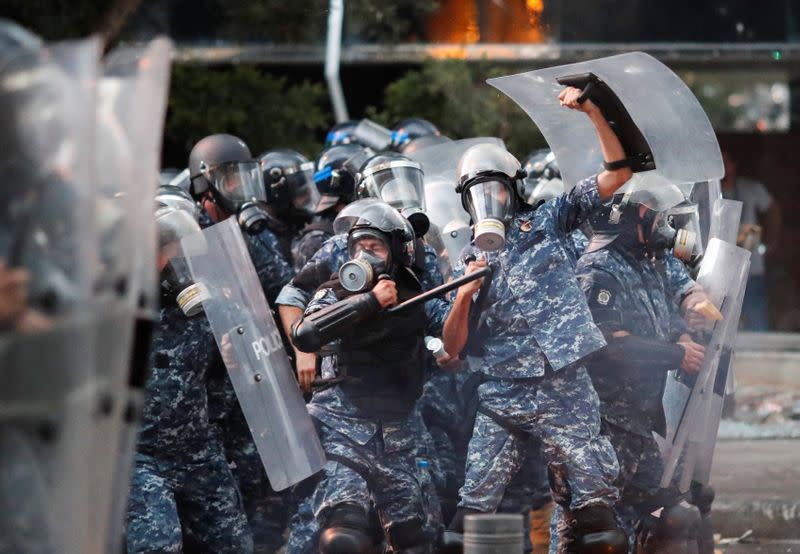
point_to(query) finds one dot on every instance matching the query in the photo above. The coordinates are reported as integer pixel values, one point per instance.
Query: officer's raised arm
(618, 170)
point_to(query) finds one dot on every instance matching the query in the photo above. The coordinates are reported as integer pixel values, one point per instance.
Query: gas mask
(361, 273)
(660, 237)
(176, 276)
(177, 283)
(491, 205)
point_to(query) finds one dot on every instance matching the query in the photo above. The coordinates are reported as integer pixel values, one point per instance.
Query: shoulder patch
(603, 297)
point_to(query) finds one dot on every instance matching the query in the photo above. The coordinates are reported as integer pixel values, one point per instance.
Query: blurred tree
(66, 19)
(280, 21)
(264, 110)
(454, 96)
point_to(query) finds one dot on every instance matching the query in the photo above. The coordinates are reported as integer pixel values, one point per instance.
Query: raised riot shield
(660, 123)
(132, 105)
(690, 400)
(450, 230)
(46, 362)
(254, 354)
(725, 217)
(705, 194)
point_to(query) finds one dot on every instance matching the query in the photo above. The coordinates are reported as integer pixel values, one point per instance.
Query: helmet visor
(489, 200)
(304, 195)
(400, 184)
(238, 182)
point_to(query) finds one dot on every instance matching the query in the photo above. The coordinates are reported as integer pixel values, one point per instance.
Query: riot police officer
(181, 480)
(537, 330)
(365, 421)
(335, 176)
(229, 156)
(646, 337)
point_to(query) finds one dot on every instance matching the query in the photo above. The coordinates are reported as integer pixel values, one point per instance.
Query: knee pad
(347, 532)
(678, 521)
(407, 536)
(595, 531)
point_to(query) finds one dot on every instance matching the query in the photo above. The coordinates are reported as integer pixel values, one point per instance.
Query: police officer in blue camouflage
(232, 177)
(335, 178)
(291, 194)
(628, 294)
(365, 421)
(536, 333)
(182, 492)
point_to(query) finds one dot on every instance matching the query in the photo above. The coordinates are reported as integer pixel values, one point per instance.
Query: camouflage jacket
(536, 314)
(327, 261)
(627, 292)
(175, 421)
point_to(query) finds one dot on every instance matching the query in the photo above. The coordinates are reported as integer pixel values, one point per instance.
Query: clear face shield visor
(304, 194)
(400, 184)
(237, 183)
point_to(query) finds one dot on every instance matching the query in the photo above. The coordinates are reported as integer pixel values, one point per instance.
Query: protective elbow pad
(595, 531)
(638, 352)
(347, 532)
(318, 329)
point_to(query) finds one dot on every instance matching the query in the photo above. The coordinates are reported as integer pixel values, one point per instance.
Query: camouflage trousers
(640, 468)
(267, 511)
(383, 477)
(174, 504)
(561, 410)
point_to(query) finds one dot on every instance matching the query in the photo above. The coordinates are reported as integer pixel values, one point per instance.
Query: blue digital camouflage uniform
(381, 466)
(267, 511)
(627, 292)
(678, 280)
(182, 485)
(327, 261)
(539, 328)
(308, 241)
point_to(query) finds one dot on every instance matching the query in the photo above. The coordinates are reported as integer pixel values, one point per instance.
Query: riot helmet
(335, 175)
(646, 208)
(174, 197)
(289, 182)
(420, 143)
(173, 225)
(398, 181)
(223, 166)
(543, 180)
(370, 221)
(341, 133)
(490, 185)
(409, 129)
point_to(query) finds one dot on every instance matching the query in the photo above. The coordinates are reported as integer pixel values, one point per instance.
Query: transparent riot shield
(131, 108)
(659, 113)
(254, 354)
(705, 194)
(46, 362)
(450, 231)
(725, 217)
(689, 400)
